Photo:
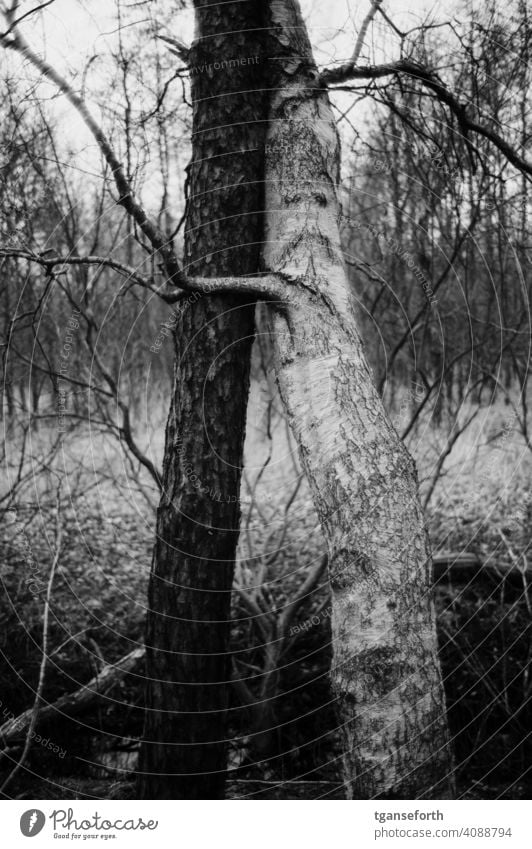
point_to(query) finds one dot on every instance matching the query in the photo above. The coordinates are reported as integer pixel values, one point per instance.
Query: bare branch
(83, 699)
(363, 30)
(269, 287)
(124, 430)
(44, 660)
(126, 197)
(259, 616)
(16, 22)
(304, 591)
(346, 72)
(177, 47)
(266, 287)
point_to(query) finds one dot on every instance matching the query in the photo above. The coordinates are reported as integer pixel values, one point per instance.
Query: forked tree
(263, 224)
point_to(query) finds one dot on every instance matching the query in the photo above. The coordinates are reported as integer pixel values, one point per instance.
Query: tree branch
(34, 711)
(14, 23)
(177, 47)
(72, 704)
(363, 30)
(303, 593)
(126, 196)
(125, 429)
(331, 76)
(268, 287)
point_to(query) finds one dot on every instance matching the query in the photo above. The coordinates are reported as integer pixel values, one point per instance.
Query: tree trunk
(188, 665)
(385, 664)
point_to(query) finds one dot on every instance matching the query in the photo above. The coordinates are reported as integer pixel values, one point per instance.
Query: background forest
(436, 233)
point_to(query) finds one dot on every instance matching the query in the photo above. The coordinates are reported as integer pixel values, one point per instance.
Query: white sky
(72, 32)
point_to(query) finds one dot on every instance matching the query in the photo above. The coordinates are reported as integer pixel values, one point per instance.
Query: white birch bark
(385, 664)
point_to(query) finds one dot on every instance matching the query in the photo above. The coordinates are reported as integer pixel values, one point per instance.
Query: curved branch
(14, 23)
(268, 287)
(34, 711)
(303, 593)
(264, 287)
(331, 76)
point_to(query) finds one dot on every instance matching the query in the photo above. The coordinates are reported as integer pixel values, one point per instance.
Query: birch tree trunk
(183, 755)
(386, 671)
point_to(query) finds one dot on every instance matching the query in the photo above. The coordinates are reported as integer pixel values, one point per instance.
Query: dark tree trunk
(188, 665)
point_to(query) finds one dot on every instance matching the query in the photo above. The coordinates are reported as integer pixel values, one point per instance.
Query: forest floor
(481, 505)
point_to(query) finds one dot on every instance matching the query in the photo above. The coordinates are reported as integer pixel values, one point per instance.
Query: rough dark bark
(184, 754)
